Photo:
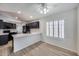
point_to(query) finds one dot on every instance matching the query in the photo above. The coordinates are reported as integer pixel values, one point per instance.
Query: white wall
(69, 42)
(78, 30)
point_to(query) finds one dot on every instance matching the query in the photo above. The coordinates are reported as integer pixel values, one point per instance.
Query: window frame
(58, 28)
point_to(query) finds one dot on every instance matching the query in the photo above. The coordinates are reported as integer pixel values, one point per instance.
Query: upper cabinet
(1, 24)
(5, 25)
(9, 25)
(34, 24)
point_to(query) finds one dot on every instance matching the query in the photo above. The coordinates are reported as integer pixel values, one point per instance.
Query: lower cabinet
(3, 39)
(23, 42)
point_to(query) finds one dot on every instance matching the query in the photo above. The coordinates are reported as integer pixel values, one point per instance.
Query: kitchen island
(21, 41)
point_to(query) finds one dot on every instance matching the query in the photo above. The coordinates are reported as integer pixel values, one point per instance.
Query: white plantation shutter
(55, 28)
(51, 29)
(47, 28)
(61, 28)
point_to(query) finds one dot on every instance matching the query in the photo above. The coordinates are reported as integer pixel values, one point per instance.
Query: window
(51, 29)
(47, 24)
(55, 28)
(61, 29)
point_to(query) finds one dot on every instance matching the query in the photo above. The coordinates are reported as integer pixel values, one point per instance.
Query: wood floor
(38, 49)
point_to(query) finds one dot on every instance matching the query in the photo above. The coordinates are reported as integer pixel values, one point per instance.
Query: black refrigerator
(26, 29)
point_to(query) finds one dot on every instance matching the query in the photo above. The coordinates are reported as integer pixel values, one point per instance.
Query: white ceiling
(32, 9)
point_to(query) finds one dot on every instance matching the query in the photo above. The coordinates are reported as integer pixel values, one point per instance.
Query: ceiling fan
(43, 8)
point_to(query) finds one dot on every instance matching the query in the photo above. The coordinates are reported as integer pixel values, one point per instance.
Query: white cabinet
(25, 41)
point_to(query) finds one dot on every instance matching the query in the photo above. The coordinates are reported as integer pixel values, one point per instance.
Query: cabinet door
(34, 38)
(14, 26)
(10, 25)
(20, 43)
(1, 24)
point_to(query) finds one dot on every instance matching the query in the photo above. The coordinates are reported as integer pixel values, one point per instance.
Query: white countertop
(26, 34)
(3, 33)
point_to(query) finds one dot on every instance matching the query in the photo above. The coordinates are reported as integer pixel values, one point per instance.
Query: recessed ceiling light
(31, 16)
(16, 17)
(19, 12)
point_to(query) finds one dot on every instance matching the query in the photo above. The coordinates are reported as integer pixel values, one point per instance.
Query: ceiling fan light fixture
(43, 8)
(41, 12)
